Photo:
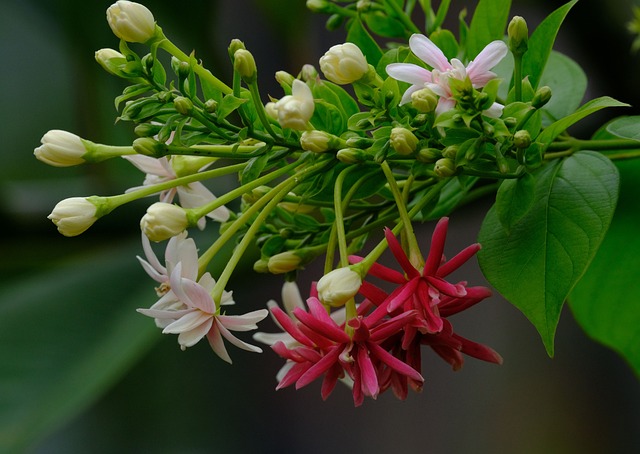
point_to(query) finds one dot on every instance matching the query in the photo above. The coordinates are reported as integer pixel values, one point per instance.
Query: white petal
(410, 73)
(192, 337)
(188, 322)
(245, 322)
(217, 345)
(428, 52)
(235, 341)
(149, 165)
(489, 57)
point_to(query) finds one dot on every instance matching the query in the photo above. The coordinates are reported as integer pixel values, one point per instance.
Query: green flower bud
(284, 79)
(319, 6)
(518, 34)
(261, 266)
(149, 147)
(131, 21)
(244, 63)
(183, 105)
(429, 155)
(444, 167)
(334, 22)
(351, 155)
(424, 100)
(211, 105)
(235, 46)
(147, 130)
(541, 97)
(403, 141)
(110, 60)
(451, 152)
(283, 262)
(522, 139)
(308, 72)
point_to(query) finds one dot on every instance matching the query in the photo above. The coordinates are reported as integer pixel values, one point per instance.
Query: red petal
(458, 260)
(393, 362)
(320, 367)
(437, 248)
(399, 254)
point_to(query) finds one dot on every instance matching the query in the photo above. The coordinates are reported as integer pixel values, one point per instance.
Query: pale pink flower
(192, 195)
(437, 80)
(199, 316)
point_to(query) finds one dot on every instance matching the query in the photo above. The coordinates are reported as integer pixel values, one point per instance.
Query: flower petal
(410, 73)
(428, 52)
(217, 344)
(490, 56)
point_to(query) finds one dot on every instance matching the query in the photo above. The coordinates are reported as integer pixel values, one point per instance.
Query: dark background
(585, 400)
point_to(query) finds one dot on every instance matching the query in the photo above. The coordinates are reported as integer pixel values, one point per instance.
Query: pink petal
(401, 294)
(245, 322)
(399, 254)
(489, 57)
(319, 368)
(296, 371)
(478, 351)
(368, 377)
(330, 380)
(288, 325)
(446, 287)
(437, 248)
(217, 344)
(428, 52)
(387, 274)
(193, 336)
(234, 340)
(393, 362)
(191, 293)
(150, 165)
(458, 260)
(187, 322)
(328, 330)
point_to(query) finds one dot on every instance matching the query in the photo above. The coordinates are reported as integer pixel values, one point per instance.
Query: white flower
(344, 64)
(200, 316)
(338, 286)
(131, 21)
(295, 110)
(164, 220)
(61, 149)
(192, 195)
(438, 79)
(73, 216)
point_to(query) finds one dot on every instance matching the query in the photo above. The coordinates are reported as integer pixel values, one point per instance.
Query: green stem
(517, 76)
(234, 151)
(414, 250)
(595, 145)
(262, 114)
(339, 220)
(204, 73)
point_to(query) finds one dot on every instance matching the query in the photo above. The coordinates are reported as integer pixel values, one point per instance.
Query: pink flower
(437, 80)
(198, 315)
(327, 350)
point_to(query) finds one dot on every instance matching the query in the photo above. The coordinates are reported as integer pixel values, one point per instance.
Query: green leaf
(625, 127)
(382, 24)
(541, 42)
(254, 168)
(361, 38)
(555, 129)
(538, 263)
(228, 104)
(514, 199)
(565, 98)
(67, 336)
(606, 301)
(488, 24)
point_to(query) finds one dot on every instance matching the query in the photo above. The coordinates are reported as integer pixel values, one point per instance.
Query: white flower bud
(74, 215)
(338, 286)
(283, 262)
(295, 110)
(61, 149)
(316, 141)
(105, 58)
(344, 64)
(131, 21)
(163, 220)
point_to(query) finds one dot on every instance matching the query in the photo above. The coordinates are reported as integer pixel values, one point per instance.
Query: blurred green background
(81, 371)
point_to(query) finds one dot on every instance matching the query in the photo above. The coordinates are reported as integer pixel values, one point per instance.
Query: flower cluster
(379, 347)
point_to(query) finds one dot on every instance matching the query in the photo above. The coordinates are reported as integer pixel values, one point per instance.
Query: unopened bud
(338, 286)
(131, 21)
(244, 63)
(319, 6)
(183, 105)
(542, 96)
(211, 105)
(308, 72)
(316, 141)
(284, 262)
(444, 167)
(284, 79)
(235, 46)
(148, 147)
(451, 152)
(429, 155)
(110, 60)
(74, 215)
(147, 130)
(351, 155)
(344, 64)
(61, 149)
(518, 34)
(424, 100)
(163, 221)
(403, 141)
(522, 139)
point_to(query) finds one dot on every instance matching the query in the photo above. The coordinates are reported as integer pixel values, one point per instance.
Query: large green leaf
(558, 127)
(541, 42)
(65, 337)
(488, 24)
(538, 263)
(358, 35)
(565, 98)
(606, 301)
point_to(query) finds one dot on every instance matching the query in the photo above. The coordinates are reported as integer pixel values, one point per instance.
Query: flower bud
(211, 105)
(344, 64)
(284, 79)
(270, 109)
(163, 221)
(351, 155)
(149, 147)
(522, 139)
(283, 262)
(147, 130)
(245, 64)
(131, 21)
(444, 167)
(61, 149)
(308, 72)
(518, 34)
(261, 266)
(110, 59)
(338, 286)
(234, 46)
(295, 110)
(316, 141)
(74, 215)
(429, 155)
(319, 6)
(541, 97)
(424, 100)
(403, 141)
(183, 105)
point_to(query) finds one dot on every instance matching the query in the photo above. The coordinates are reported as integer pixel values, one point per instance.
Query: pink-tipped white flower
(192, 195)
(295, 110)
(437, 80)
(199, 316)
